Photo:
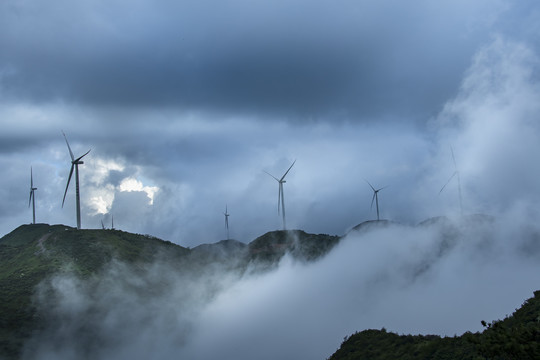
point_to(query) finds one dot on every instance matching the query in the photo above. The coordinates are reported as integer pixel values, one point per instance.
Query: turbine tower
(375, 198)
(226, 213)
(74, 164)
(456, 173)
(281, 196)
(32, 197)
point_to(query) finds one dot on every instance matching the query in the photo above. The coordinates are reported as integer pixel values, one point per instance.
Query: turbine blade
(69, 148)
(31, 178)
(67, 186)
(451, 177)
(30, 199)
(453, 158)
(272, 175)
(286, 172)
(371, 186)
(79, 158)
(373, 199)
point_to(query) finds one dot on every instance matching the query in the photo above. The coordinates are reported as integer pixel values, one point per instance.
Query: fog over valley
(442, 277)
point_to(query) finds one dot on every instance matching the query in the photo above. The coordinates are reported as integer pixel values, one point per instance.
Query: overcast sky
(185, 104)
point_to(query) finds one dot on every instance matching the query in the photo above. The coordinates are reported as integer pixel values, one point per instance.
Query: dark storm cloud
(344, 58)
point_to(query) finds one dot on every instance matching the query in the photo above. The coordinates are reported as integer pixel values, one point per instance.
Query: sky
(186, 104)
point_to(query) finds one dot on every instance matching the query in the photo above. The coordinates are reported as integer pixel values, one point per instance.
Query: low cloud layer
(439, 278)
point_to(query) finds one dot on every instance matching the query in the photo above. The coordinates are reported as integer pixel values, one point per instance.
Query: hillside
(516, 337)
(266, 250)
(31, 254)
(132, 271)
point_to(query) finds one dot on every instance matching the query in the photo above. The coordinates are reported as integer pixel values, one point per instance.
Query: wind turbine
(32, 197)
(456, 172)
(226, 213)
(112, 223)
(74, 164)
(281, 196)
(375, 197)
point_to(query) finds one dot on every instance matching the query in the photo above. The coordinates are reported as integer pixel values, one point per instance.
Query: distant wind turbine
(112, 223)
(32, 197)
(456, 173)
(226, 213)
(281, 196)
(375, 198)
(74, 164)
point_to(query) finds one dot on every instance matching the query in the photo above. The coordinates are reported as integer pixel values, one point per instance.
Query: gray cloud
(295, 58)
(201, 158)
(199, 162)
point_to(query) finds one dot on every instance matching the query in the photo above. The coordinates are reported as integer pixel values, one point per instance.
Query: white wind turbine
(456, 173)
(74, 164)
(226, 213)
(32, 197)
(375, 198)
(281, 196)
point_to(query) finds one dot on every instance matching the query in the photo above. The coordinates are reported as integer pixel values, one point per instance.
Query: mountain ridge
(31, 254)
(515, 337)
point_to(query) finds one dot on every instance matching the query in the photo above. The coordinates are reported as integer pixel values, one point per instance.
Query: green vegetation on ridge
(31, 254)
(516, 337)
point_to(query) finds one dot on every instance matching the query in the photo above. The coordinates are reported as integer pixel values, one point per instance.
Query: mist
(440, 277)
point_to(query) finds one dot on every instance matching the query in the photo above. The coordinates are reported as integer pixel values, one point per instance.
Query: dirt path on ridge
(42, 249)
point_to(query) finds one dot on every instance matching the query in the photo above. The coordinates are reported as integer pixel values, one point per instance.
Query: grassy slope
(31, 253)
(268, 249)
(25, 261)
(516, 337)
